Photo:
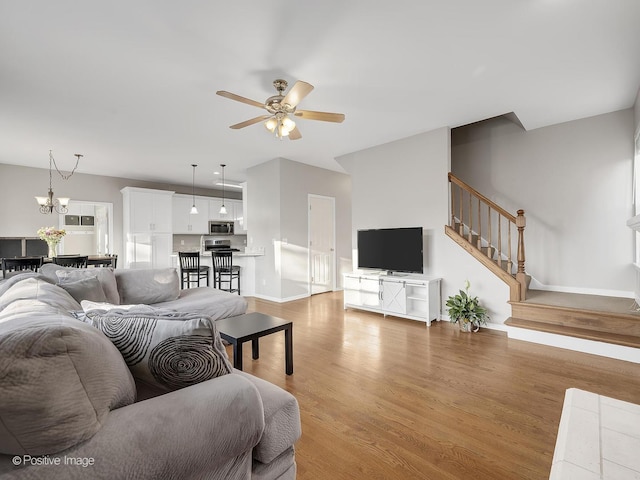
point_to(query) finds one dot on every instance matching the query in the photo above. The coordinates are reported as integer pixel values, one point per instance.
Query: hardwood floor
(388, 398)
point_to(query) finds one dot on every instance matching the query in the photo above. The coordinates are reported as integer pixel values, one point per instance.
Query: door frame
(334, 262)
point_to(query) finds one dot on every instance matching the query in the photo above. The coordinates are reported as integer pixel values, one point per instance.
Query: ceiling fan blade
(295, 134)
(246, 123)
(238, 98)
(297, 93)
(324, 116)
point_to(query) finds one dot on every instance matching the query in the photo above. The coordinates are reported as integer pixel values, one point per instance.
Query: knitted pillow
(167, 349)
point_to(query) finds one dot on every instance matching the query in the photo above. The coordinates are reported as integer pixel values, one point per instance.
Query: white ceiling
(131, 84)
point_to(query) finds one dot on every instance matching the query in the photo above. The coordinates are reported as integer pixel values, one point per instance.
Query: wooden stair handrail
(475, 193)
(474, 234)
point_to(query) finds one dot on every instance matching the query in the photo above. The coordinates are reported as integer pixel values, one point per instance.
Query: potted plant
(466, 310)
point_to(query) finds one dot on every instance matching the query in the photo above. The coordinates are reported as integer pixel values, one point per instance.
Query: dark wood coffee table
(252, 326)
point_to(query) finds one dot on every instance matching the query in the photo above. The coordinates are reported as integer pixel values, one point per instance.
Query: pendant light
(223, 209)
(194, 210)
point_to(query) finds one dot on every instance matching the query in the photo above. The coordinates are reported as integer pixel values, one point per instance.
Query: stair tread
(596, 303)
(615, 338)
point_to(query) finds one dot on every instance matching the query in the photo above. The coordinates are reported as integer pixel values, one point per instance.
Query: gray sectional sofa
(73, 403)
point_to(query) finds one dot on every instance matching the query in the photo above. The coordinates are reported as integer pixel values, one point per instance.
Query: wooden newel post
(521, 222)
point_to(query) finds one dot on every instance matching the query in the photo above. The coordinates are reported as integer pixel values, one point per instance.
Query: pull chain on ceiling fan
(280, 106)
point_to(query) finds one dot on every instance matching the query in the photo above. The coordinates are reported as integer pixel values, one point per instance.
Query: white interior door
(321, 244)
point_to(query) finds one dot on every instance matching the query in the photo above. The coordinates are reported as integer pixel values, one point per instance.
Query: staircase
(496, 238)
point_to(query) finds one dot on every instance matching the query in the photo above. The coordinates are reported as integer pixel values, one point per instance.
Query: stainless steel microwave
(218, 227)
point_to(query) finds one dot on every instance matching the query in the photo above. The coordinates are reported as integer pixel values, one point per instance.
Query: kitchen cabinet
(147, 227)
(147, 210)
(147, 250)
(185, 222)
(214, 209)
(234, 209)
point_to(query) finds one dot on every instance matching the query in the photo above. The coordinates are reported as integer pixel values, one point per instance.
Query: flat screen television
(392, 249)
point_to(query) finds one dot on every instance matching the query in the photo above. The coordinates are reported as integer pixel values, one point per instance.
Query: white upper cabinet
(214, 209)
(185, 222)
(147, 210)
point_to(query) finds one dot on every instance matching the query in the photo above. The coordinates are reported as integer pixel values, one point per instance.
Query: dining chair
(190, 269)
(76, 261)
(21, 263)
(224, 271)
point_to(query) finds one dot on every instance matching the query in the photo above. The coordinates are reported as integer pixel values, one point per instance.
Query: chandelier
(48, 204)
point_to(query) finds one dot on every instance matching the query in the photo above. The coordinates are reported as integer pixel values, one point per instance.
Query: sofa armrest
(207, 430)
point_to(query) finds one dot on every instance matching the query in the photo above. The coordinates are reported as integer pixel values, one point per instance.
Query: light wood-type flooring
(389, 398)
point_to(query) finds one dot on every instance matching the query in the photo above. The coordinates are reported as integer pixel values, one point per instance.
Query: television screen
(393, 249)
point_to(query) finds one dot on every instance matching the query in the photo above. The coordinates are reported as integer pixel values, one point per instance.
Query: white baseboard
(619, 352)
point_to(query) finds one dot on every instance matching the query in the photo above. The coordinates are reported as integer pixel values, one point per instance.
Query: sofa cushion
(207, 301)
(106, 277)
(281, 418)
(85, 289)
(164, 348)
(59, 380)
(38, 291)
(148, 286)
(9, 282)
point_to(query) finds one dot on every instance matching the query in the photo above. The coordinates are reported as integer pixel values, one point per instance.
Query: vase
(52, 250)
(468, 327)
(465, 326)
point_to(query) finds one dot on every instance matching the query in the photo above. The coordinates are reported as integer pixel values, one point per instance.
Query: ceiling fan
(280, 106)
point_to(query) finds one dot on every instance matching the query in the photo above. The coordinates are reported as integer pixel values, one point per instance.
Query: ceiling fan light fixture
(287, 125)
(271, 124)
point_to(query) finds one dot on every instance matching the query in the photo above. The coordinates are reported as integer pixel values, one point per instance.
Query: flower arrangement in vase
(466, 309)
(52, 236)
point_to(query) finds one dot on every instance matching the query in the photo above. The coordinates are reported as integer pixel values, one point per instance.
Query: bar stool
(225, 271)
(190, 265)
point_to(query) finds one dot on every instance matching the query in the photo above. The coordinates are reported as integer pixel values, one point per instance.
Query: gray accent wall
(20, 216)
(574, 181)
(277, 214)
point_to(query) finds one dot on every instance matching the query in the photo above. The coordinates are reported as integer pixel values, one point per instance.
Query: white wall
(403, 184)
(263, 222)
(278, 221)
(636, 113)
(574, 182)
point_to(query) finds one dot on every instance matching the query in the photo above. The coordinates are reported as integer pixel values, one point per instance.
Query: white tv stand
(405, 295)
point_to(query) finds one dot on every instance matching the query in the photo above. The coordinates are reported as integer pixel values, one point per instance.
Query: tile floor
(598, 439)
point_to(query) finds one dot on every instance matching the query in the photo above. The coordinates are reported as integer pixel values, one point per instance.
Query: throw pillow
(106, 277)
(148, 286)
(85, 289)
(105, 306)
(167, 349)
